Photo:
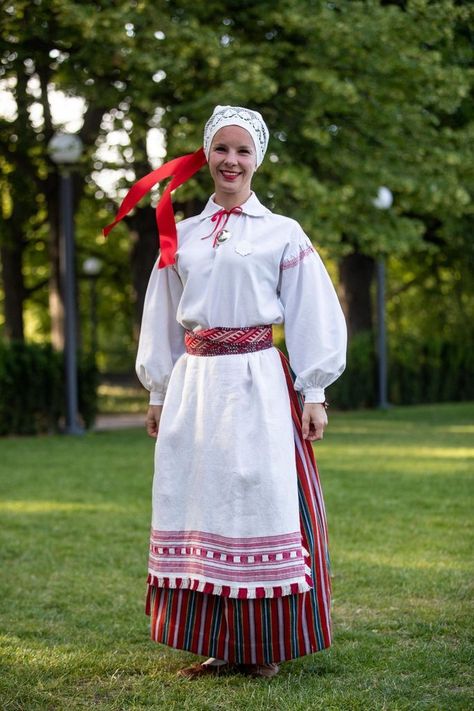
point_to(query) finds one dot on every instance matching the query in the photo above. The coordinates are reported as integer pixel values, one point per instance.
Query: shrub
(32, 389)
(419, 371)
(357, 385)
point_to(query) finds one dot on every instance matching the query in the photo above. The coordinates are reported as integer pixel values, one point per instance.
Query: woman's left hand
(315, 420)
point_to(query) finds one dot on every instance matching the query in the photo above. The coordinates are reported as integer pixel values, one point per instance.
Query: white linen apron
(225, 483)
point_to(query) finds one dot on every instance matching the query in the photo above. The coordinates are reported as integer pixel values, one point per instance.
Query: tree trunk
(356, 274)
(143, 233)
(143, 255)
(11, 256)
(12, 231)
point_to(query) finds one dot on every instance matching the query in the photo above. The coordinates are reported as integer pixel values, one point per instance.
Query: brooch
(243, 248)
(223, 236)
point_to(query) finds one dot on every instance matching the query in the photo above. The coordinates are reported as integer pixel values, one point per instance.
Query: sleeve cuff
(313, 395)
(156, 398)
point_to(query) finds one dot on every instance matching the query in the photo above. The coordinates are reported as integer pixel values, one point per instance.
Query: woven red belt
(227, 341)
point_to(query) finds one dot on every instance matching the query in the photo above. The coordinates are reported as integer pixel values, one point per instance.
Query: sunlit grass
(121, 399)
(75, 516)
(45, 507)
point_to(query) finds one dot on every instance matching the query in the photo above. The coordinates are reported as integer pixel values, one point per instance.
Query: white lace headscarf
(252, 121)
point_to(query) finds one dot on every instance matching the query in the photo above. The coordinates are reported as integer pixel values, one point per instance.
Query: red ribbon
(180, 170)
(218, 217)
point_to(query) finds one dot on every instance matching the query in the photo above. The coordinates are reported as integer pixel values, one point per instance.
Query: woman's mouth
(229, 175)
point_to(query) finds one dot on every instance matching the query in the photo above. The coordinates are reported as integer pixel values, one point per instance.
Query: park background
(357, 95)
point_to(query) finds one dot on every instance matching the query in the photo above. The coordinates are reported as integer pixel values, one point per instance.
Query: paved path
(119, 422)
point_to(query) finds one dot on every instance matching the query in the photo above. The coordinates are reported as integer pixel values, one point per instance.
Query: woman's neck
(230, 201)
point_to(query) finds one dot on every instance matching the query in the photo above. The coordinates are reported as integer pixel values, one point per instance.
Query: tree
(86, 50)
(366, 96)
(357, 95)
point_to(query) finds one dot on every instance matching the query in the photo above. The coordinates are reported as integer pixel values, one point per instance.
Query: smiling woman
(232, 163)
(238, 563)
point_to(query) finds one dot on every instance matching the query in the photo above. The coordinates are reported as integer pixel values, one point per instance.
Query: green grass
(75, 517)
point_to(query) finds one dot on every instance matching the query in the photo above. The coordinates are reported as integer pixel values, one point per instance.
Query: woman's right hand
(153, 420)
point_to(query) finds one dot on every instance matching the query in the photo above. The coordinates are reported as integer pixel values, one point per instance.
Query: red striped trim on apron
(178, 555)
(264, 630)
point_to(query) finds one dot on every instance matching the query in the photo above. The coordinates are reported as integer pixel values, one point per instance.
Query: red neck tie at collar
(180, 170)
(218, 217)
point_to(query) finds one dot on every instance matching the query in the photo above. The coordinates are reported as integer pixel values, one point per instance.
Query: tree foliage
(357, 95)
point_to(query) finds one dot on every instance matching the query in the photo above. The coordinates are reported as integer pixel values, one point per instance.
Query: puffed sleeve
(315, 328)
(161, 336)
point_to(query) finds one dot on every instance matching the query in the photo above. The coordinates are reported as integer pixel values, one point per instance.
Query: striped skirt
(265, 630)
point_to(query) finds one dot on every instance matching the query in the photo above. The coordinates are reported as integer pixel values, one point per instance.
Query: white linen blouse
(267, 272)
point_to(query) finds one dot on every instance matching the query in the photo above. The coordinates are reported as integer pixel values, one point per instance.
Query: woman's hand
(152, 421)
(315, 420)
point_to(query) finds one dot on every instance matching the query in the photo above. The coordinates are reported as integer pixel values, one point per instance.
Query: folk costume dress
(238, 562)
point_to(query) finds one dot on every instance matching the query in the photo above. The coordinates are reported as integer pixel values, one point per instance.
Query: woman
(238, 567)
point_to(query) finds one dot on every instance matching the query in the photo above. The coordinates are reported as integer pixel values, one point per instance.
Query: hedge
(32, 389)
(32, 392)
(434, 370)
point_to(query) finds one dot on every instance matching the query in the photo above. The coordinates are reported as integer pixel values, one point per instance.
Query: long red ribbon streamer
(180, 170)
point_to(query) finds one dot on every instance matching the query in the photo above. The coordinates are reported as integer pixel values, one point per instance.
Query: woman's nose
(231, 158)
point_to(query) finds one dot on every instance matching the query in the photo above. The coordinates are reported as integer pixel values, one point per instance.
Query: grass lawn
(75, 517)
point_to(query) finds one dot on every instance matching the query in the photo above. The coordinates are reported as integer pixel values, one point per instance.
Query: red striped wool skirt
(261, 630)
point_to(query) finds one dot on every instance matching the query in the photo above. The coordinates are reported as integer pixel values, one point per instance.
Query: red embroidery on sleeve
(288, 263)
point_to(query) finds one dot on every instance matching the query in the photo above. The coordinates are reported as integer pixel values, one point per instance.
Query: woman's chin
(231, 188)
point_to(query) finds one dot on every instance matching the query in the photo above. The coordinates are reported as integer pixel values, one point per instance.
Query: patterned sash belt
(227, 341)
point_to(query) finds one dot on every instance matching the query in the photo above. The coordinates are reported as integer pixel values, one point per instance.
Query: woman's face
(232, 163)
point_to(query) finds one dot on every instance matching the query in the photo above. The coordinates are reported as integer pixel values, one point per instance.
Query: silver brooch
(223, 236)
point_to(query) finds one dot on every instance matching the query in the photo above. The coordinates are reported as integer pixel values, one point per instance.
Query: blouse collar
(252, 207)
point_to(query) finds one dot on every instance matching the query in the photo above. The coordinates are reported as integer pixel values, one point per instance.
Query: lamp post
(65, 150)
(383, 201)
(92, 268)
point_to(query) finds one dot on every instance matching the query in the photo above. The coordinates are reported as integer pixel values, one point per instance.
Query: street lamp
(383, 201)
(65, 149)
(92, 268)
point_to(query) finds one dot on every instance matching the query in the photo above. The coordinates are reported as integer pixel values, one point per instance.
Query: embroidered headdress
(252, 121)
(182, 168)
